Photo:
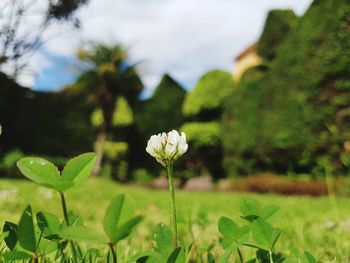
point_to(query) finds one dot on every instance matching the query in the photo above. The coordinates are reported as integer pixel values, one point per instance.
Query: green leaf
(142, 259)
(262, 255)
(79, 168)
(125, 229)
(227, 226)
(47, 246)
(49, 224)
(60, 186)
(264, 234)
(177, 256)
(81, 233)
(250, 209)
(26, 232)
(9, 232)
(15, 255)
(308, 258)
(74, 218)
(210, 258)
(269, 211)
(231, 232)
(145, 256)
(119, 211)
(224, 258)
(163, 239)
(39, 170)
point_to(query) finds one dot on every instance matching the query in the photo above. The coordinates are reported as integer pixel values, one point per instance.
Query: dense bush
(203, 108)
(201, 134)
(160, 113)
(42, 122)
(206, 97)
(287, 115)
(277, 26)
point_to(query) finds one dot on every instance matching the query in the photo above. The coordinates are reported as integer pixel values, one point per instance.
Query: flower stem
(65, 213)
(271, 257)
(114, 254)
(170, 170)
(240, 255)
(64, 207)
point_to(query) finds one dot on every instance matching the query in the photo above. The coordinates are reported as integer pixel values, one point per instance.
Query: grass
(305, 221)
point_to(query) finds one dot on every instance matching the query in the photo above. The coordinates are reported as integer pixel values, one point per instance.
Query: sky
(184, 38)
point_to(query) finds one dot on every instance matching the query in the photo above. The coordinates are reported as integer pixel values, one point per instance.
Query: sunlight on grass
(306, 222)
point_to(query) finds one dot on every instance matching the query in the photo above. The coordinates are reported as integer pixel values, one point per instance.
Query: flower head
(167, 147)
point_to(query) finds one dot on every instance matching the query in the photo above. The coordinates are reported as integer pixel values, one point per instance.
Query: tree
(107, 76)
(203, 108)
(293, 113)
(23, 24)
(160, 113)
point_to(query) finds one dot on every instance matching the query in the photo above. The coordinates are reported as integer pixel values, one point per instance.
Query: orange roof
(250, 49)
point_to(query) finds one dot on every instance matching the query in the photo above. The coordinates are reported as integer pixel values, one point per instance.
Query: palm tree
(107, 75)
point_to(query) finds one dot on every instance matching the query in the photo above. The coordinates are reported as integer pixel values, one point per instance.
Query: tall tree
(108, 75)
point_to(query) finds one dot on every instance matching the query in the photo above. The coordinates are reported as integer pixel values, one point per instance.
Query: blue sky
(57, 74)
(184, 38)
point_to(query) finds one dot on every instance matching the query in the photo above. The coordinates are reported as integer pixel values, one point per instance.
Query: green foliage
(8, 163)
(142, 176)
(160, 113)
(203, 108)
(79, 168)
(115, 150)
(109, 77)
(81, 233)
(10, 235)
(119, 220)
(208, 93)
(122, 115)
(259, 235)
(42, 172)
(46, 119)
(201, 134)
(277, 26)
(285, 114)
(163, 251)
(26, 232)
(233, 234)
(49, 225)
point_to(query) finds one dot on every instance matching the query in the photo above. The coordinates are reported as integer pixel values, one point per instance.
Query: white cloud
(182, 37)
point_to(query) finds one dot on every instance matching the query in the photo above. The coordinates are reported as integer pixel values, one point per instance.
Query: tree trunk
(101, 138)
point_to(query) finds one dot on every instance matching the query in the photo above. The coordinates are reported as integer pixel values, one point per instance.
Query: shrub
(286, 114)
(161, 112)
(8, 163)
(202, 134)
(208, 94)
(278, 24)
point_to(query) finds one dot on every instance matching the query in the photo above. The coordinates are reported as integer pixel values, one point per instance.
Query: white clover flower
(167, 147)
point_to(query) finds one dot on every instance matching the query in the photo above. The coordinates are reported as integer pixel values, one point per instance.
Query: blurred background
(261, 89)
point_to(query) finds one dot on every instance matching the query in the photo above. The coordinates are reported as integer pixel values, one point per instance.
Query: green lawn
(303, 220)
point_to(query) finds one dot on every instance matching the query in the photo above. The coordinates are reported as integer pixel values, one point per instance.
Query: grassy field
(306, 222)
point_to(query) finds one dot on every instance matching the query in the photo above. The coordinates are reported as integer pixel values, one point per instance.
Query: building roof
(250, 49)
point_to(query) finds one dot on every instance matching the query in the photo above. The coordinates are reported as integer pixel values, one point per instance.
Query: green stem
(114, 253)
(64, 207)
(271, 257)
(240, 255)
(173, 205)
(65, 213)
